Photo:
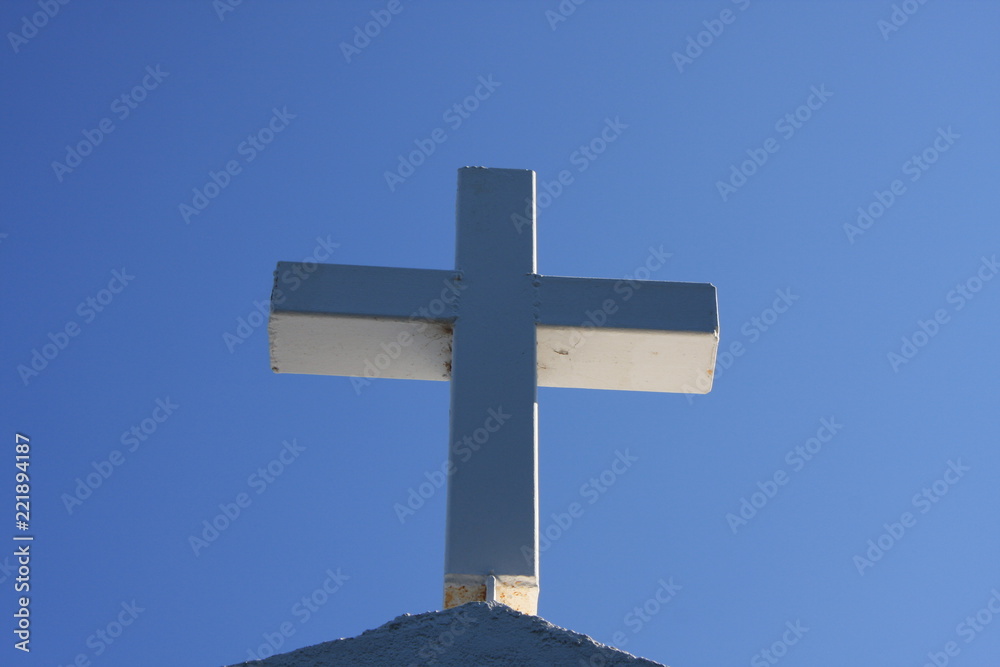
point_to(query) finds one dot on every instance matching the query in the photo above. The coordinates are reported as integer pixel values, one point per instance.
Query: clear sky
(832, 501)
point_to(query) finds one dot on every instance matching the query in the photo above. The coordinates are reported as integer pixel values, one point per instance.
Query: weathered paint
(517, 592)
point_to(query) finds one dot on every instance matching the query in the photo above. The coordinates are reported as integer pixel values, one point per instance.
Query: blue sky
(747, 137)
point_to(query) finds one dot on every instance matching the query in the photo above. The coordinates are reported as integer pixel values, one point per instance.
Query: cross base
(516, 591)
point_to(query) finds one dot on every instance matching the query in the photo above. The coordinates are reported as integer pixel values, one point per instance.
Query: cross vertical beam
(492, 513)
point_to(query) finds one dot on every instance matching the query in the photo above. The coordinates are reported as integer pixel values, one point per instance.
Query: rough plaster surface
(474, 634)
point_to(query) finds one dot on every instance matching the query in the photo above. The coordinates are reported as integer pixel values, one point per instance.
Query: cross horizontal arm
(626, 334)
(362, 321)
(629, 304)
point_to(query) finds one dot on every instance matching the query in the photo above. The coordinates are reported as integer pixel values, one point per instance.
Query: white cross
(498, 330)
